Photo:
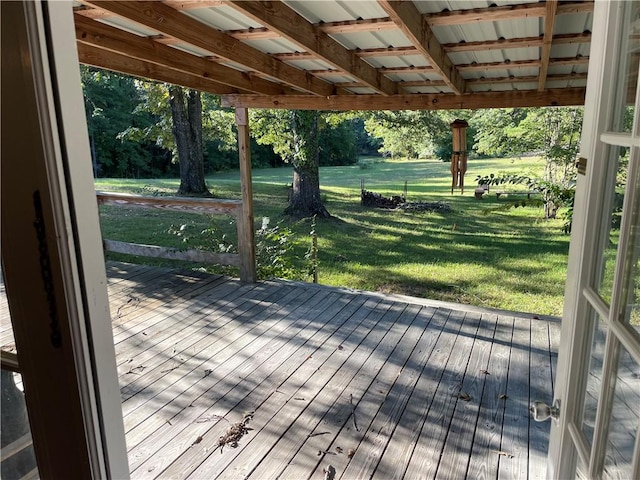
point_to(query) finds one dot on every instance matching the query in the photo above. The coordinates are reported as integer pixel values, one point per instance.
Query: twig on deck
(329, 472)
(316, 434)
(353, 413)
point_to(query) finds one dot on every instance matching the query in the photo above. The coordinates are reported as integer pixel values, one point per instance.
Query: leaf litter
(235, 432)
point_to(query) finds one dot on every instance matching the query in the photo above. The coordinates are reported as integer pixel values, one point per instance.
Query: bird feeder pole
(459, 156)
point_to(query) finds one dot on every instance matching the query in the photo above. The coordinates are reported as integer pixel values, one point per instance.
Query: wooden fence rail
(191, 205)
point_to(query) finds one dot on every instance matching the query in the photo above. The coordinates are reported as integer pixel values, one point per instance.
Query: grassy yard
(511, 259)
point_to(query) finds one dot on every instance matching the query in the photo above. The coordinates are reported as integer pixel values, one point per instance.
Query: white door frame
(591, 222)
(52, 255)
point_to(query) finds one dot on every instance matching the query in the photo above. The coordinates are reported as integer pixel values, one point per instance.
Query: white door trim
(54, 275)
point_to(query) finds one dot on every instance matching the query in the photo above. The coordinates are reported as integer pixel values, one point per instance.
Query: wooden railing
(244, 259)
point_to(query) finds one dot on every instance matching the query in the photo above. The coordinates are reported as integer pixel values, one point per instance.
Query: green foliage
(218, 126)
(275, 255)
(410, 134)
(110, 105)
(491, 131)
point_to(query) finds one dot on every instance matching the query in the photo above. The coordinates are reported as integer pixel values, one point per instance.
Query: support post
(246, 234)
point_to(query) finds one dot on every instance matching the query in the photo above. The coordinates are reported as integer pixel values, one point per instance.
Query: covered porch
(367, 384)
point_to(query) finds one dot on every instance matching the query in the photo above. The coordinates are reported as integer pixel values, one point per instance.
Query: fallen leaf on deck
(338, 449)
(484, 372)
(503, 396)
(340, 347)
(351, 453)
(207, 372)
(197, 441)
(504, 454)
(464, 396)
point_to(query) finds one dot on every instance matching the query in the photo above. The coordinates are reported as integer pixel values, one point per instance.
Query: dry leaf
(484, 372)
(319, 453)
(504, 454)
(207, 372)
(464, 396)
(351, 453)
(338, 449)
(197, 441)
(340, 347)
(503, 396)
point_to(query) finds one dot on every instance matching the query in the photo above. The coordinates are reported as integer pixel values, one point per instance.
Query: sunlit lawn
(511, 259)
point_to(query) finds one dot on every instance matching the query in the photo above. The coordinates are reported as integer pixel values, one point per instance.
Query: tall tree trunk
(305, 198)
(186, 112)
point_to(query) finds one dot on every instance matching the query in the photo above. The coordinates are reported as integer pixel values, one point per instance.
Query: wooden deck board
(195, 352)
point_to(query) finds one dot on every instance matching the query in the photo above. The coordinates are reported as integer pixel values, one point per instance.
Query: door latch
(540, 411)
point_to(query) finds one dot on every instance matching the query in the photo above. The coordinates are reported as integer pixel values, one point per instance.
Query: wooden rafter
(545, 50)
(526, 79)
(356, 26)
(113, 39)
(97, 57)
(169, 21)
(280, 18)
(408, 19)
(508, 65)
(524, 42)
(528, 98)
(507, 12)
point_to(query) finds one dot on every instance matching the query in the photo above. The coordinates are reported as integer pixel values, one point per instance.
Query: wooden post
(246, 238)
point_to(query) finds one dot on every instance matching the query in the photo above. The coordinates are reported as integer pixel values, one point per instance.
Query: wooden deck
(366, 384)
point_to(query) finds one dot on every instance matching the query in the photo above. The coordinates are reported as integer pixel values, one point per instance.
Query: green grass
(511, 259)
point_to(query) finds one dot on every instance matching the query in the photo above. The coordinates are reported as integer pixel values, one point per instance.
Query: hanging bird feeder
(459, 156)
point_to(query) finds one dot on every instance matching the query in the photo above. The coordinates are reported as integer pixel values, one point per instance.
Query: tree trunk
(305, 198)
(186, 112)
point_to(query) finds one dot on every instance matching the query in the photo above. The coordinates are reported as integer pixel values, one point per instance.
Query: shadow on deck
(368, 384)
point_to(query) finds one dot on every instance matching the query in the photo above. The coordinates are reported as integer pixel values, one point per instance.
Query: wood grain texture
(196, 352)
(552, 97)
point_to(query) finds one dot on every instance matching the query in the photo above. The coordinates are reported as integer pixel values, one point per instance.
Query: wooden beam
(356, 26)
(294, 56)
(176, 204)
(387, 52)
(525, 42)
(259, 33)
(545, 51)
(522, 98)
(113, 39)
(193, 4)
(507, 12)
(408, 19)
(282, 19)
(246, 229)
(422, 83)
(471, 67)
(173, 23)
(97, 57)
(526, 79)
(425, 69)
(155, 251)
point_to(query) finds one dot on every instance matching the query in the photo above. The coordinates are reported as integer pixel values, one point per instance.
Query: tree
(110, 105)
(186, 111)
(411, 134)
(492, 128)
(555, 132)
(294, 135)
(205, 130)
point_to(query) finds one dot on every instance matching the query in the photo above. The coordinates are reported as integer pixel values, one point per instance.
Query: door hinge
(581, 165)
